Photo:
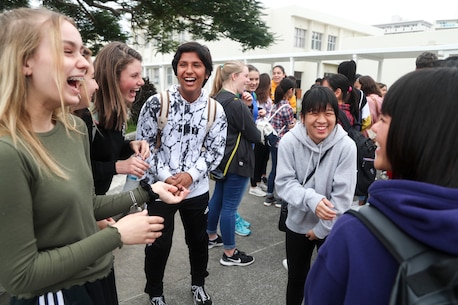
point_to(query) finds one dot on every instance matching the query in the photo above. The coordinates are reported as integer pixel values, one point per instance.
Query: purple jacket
(353, 267)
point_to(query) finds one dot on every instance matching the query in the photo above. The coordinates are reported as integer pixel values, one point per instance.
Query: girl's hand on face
(247, 98)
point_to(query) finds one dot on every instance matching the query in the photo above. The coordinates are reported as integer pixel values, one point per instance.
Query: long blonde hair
(223, 74)
(21, 31)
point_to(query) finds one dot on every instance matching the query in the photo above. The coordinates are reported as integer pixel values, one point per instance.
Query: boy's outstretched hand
(169, 193)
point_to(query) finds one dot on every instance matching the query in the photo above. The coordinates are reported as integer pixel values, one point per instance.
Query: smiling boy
(187, 152)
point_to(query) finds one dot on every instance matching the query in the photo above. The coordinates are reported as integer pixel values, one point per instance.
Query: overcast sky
(378, 12)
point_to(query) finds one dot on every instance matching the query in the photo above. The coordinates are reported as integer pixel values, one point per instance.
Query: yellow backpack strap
(164, 99)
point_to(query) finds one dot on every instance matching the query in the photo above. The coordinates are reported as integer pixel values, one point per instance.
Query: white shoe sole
(228, 263)
(214, 245)
(242, 234)
(257, 194)
(285, 264)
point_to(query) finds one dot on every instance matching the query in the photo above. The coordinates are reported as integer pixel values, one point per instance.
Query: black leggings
(261, 157)
(100, 292)
(299, 251)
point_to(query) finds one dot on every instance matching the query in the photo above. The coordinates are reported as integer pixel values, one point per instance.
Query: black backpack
(425, 276)
(365, 156)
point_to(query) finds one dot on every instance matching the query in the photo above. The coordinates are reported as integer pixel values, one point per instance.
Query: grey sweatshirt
(334, 179)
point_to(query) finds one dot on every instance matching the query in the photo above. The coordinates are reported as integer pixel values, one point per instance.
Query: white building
(405, 27)
(310, 44)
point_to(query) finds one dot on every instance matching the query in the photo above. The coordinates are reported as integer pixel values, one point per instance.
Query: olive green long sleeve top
(49, 239)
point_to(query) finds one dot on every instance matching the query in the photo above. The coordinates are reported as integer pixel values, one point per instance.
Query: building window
(155, 76)
(179, 36)
(169, 77)
(332, 40)
(316, 40)
(299, 38)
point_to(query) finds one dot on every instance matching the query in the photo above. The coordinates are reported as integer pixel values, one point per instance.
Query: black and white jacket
(185, 144)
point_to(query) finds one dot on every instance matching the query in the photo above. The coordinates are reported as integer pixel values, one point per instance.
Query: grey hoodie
(335, 177)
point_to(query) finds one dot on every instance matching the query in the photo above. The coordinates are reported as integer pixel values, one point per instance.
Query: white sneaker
(262, 186)
(256, 191)
(285, 263)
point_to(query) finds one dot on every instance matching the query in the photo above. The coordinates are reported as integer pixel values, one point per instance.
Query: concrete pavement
(263, 282)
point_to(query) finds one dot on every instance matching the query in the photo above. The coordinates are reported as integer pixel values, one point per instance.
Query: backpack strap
(164, 99)
(399, 244)
(344, 120)
(211, 115)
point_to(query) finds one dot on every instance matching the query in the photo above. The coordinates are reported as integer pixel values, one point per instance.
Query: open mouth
(75, 81)
(189, 79)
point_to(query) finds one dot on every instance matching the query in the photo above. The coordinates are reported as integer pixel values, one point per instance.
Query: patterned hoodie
(185, 144)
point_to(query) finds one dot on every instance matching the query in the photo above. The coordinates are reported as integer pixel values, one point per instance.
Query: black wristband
(147, 187)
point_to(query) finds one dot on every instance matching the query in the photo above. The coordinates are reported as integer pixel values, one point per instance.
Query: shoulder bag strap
(314, 170)
(232, 154)
(275, 113)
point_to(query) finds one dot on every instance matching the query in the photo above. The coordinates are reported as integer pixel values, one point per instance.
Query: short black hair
(317, 99)
(202, 51)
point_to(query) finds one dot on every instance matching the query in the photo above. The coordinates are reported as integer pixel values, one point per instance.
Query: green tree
(100, 21)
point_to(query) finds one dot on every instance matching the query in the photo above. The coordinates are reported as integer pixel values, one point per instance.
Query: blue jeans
(223, 206)
(273, 171)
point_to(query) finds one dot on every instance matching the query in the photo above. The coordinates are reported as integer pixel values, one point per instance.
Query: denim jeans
(223, 207)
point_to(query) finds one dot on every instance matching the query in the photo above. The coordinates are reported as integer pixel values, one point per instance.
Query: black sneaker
(217, 242)
(269, 200)
(199, 296)
(239, 258)
(158, 300)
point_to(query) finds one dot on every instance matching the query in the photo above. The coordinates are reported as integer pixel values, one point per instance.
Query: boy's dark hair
(202, 52)
(421, 142)
(425, 60)
(317, 99)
